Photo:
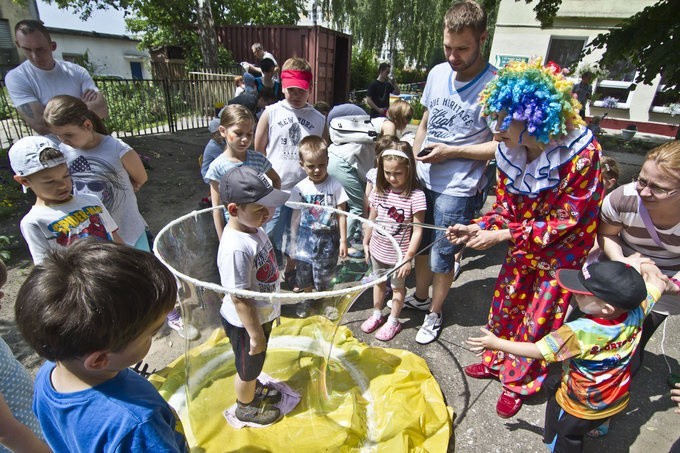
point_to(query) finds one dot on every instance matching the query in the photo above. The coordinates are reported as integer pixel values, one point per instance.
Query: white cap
(24, 155)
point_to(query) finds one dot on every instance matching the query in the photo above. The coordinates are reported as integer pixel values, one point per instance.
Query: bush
(418, 109)
(363, 69)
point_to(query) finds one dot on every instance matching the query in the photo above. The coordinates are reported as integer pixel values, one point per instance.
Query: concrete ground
(648, 424)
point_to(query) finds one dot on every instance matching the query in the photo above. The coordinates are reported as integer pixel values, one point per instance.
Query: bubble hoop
(342, 385)
(281, 297)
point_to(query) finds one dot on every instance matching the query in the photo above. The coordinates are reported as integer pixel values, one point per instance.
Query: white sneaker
(414, 304)
(184, 330)
(431, 328)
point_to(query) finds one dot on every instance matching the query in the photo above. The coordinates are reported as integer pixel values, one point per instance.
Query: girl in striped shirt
(395, 203)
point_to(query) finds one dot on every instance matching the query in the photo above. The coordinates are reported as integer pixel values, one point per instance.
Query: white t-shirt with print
(327, 193)
(99, 171)
(287, 126)
(48, 228)
(247, 261)
(455, 118)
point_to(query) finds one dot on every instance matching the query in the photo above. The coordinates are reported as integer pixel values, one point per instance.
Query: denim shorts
(445, 210)
(317, 258)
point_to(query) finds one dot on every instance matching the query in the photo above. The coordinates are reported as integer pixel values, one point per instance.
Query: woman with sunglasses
(641, 220)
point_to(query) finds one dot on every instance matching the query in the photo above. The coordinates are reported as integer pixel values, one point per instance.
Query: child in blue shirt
(92, 311)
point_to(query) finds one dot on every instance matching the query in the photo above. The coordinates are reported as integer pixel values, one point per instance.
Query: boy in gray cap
(58, 217)
(597, 347)
(246, 261)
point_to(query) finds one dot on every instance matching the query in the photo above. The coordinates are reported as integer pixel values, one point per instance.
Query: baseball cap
(214, 125)
(24, 155)
(614, 282)
(243, 185)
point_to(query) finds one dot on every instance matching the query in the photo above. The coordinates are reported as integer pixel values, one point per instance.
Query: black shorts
(248, 366)
(562, 430)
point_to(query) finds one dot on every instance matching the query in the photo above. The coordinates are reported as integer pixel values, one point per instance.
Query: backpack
(353, 129)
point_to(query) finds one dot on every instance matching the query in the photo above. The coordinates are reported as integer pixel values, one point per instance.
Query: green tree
(176, 22)
(649, 39)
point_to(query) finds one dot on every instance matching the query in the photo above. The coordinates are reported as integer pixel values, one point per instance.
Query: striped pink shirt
(395, 214)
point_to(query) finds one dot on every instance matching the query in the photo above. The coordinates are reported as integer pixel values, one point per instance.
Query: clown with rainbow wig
(548, 199)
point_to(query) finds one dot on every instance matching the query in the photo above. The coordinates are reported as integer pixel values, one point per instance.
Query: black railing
(140, 107)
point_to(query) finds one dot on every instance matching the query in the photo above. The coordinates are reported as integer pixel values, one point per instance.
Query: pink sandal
(388, 331)
(372, 323)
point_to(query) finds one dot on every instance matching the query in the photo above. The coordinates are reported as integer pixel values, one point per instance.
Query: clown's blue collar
(542, 173)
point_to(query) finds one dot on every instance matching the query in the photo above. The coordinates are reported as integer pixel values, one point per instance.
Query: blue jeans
(278, 230)
(445, 210)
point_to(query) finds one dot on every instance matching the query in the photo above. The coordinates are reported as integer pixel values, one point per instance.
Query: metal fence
(141, 107)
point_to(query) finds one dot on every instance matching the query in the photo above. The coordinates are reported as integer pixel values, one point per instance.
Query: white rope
(280, 296)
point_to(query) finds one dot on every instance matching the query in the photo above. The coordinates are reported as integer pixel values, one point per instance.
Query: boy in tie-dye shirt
(596, 349)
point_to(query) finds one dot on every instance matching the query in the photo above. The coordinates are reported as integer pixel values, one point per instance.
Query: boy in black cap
(246, 261)
(598, 347)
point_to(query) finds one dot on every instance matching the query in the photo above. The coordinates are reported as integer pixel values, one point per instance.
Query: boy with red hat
(278, 134)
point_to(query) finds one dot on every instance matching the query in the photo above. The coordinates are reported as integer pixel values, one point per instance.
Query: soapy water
(188, 247)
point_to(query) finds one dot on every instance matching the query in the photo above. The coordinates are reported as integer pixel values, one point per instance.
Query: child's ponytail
(63, 110)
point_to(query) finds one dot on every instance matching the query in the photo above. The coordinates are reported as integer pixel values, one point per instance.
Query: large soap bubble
(351, 396)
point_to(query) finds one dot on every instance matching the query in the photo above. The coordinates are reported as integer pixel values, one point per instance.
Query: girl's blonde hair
(64, 110)
(667, 157)
(296, 63)
(238, 80)
(400, 112)
(381, 184)
(312, 147)
(235, 114)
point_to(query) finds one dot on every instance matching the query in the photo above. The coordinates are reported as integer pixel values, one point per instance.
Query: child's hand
(675, 396)
(258, 344)
(479, 344)
(404, 270)
(367, 253)
(343, 249)
(637, 260)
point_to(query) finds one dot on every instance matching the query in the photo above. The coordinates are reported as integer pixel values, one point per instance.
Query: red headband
(292, 78)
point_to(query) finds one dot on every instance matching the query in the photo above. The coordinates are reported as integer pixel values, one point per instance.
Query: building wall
(10, 14)
(109, 56)
(519, 35)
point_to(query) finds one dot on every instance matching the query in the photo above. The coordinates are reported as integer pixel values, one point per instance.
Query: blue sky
(107, 21)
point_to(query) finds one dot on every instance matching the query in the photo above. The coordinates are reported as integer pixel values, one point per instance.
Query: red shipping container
(329, 53)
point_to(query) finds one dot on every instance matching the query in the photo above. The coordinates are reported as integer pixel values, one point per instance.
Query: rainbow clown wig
(536, 94)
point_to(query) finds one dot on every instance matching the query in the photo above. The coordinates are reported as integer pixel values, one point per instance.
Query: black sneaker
(257, 412)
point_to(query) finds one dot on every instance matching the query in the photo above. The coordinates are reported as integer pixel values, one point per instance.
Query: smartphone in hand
(425, 151)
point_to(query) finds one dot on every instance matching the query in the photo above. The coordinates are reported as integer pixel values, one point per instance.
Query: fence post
(168, 105)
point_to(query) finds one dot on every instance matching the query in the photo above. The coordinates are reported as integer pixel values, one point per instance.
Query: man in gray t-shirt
(452, 146)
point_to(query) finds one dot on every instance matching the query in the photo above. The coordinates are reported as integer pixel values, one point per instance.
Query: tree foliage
(174, 22)
(649, 40)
